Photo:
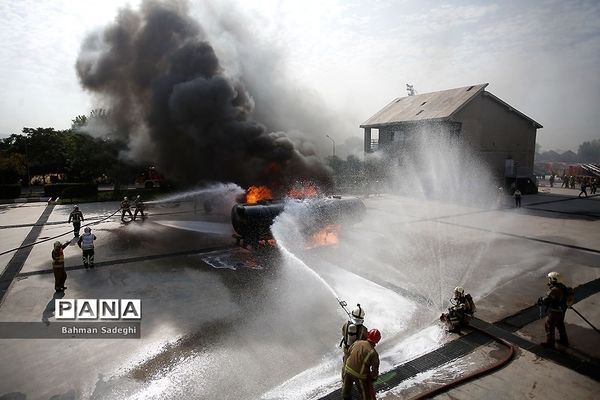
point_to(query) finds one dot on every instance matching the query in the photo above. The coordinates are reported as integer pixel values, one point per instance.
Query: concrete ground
(223, 323)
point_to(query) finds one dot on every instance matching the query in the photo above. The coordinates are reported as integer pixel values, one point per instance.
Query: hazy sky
(542, 57)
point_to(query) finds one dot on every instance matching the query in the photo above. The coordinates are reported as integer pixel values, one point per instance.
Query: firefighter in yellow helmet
(362, 367)
(556, 307)
(461, 311)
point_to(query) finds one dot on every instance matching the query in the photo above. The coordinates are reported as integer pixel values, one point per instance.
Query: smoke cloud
(177, 107)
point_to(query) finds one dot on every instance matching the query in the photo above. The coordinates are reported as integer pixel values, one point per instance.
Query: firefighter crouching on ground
(352, 331)
(77, 217)
(461, 312)
(362, 367)
(58, 266)
(126, 208)
(86, 243)
(139, 207)
(556, 306)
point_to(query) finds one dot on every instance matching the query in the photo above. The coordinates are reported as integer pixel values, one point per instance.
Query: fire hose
(476, 374)
(70, 231)
(582, 317)
(57, 236)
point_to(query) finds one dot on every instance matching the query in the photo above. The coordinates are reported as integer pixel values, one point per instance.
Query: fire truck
(151, 178)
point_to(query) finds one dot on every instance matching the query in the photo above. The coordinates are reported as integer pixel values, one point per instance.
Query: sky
(541, 57)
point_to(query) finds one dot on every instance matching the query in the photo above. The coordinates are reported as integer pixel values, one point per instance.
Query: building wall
(489, 127)
(498, 134)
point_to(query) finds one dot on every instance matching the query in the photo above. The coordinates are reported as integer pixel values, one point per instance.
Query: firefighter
(58, 266)
(517, 195)
(86, 244)
(461, 312)
(352, 331)
(126, 208)
(362, 367)
(77, 217)
(556, 307)
(139, 207)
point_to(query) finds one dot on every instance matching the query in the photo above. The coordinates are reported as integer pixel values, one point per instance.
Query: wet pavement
(220, 322)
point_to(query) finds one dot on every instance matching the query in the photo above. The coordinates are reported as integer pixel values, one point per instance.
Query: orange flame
(304, 190)
(254, 194)
(327, 236)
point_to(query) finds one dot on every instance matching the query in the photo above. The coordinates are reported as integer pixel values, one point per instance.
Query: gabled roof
(431, 106)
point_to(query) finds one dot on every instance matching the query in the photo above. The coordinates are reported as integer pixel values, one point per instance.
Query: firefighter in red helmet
(362, 367)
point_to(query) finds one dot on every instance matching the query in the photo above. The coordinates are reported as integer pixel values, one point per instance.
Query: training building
(503, 136)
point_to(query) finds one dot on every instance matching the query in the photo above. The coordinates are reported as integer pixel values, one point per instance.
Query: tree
(589, 151)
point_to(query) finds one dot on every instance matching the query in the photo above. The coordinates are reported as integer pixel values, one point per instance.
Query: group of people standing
(85, 241)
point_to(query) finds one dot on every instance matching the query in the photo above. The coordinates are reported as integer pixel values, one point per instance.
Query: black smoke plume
(176, 107)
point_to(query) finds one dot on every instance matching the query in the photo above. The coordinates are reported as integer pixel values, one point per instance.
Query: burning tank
(252, 222)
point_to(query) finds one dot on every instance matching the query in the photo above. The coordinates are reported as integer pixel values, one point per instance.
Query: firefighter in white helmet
(461, 311)
(556, 307)
(86, 244)
(353, 330)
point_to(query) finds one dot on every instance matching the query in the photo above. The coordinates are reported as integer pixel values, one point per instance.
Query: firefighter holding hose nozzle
(461, 311)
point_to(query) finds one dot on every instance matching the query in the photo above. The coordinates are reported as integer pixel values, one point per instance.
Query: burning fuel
(254, 194)
(252, 222)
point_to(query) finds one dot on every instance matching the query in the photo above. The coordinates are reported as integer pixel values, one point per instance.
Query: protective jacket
(86, 241)
(363, 361)
(125, 205)
(75, 216)
(58, 257)
(556, 300)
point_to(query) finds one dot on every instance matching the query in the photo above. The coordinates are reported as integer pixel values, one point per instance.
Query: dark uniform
(518, 198)
(58, 266)
(139, 208)
(362, 368)
(126, 208)
(556, 307)
(77, 217)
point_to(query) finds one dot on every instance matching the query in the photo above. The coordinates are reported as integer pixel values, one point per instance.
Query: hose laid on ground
(57, 236)
(476, 374)
(585, 319)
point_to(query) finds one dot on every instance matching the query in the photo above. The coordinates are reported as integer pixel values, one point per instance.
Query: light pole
(333, 142)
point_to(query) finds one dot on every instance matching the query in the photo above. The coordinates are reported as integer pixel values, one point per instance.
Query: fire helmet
(459, 290)
(374, 336)
(125, 198)
(57, 244)
(553, 277)
(358, 314)
(87, 229)
(76, 207)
